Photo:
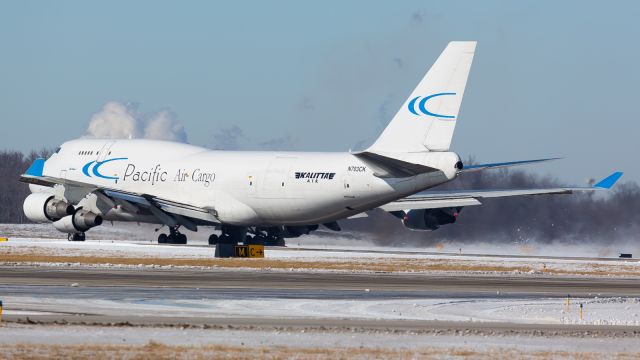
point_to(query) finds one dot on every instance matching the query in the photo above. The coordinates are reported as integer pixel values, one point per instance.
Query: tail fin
(427, 119)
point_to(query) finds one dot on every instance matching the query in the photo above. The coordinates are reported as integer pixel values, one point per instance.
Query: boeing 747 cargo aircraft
(265, 197)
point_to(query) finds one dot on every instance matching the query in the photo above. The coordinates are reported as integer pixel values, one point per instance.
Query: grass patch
(385, 265)
(34, 255)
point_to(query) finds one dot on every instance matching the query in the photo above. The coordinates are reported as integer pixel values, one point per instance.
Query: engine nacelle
(80, 221)
(44, 207)
(430, 219)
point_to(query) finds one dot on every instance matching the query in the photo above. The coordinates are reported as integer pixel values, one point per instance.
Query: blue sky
(549, 78)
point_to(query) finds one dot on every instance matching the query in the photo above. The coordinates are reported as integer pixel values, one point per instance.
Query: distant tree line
(12, 191)
(578, 217)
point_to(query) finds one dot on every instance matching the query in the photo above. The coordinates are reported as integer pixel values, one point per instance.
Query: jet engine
(430, 219)
(44, 207)
(80, 221)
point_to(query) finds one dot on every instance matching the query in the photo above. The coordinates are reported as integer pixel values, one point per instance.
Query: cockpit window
(58, 149)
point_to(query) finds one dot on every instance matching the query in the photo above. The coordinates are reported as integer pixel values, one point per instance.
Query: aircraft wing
(460, 198)
(167, 211)
(164, 209)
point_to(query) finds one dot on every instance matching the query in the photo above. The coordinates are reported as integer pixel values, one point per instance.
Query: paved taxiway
(323, 284)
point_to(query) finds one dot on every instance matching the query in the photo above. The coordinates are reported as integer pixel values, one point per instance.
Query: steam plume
(120, 121)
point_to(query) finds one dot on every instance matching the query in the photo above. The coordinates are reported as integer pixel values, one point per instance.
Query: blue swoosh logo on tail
(422, 106)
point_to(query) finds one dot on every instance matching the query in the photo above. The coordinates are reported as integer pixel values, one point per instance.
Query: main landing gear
(174, 237)
(78, 236)
(248, 236)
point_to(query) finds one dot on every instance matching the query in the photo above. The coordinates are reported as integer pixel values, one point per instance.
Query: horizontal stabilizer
(385, 166)
(479, 167)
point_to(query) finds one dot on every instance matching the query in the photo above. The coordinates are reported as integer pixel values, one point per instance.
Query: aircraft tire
(257, 240)
(213, 239)
(181, 239)
(163, 239)
(275, 241)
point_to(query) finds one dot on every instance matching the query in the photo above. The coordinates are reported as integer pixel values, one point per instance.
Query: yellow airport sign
(4, 239)
(250, 251)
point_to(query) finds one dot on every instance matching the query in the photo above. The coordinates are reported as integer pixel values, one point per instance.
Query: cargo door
(276, 178)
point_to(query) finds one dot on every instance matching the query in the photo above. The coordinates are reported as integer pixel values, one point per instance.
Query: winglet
(609, 181)
(36, 169)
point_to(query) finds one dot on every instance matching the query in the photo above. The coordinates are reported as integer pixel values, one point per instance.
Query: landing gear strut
(273, 237)
(78, 236)
(174, 237)
(275, 241)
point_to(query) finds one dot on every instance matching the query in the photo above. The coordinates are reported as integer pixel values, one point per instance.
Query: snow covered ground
(516, 260)
(596, 311)
(621, 311)
(145, 234)
(460, 344)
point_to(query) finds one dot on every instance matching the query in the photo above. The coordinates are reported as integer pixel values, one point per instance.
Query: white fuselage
(241, 187)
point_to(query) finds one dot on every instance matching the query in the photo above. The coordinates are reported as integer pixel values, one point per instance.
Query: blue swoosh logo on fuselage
(96, 168)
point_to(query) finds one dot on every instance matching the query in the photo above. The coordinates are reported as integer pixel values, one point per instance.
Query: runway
(282, 283)
(101, 296)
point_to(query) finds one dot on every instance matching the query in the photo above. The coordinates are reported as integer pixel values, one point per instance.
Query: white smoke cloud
(164, 126)
(123, 121)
